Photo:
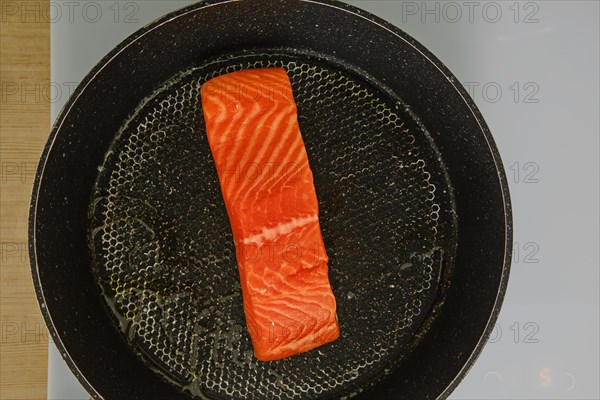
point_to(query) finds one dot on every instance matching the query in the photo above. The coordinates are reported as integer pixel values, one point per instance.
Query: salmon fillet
(267, 185)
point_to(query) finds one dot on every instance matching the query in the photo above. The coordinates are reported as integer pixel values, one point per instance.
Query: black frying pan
(131, 249)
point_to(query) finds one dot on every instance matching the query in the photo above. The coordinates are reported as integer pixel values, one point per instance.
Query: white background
(545, 344)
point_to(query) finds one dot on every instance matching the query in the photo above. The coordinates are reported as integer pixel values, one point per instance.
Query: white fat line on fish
(279, 229)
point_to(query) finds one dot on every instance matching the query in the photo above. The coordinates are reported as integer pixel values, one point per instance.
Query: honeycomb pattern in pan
(164, 253)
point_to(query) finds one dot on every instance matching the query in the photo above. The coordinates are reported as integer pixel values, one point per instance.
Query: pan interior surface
(164, 255)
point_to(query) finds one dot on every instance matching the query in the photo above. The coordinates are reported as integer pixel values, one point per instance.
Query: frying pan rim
(355, 11)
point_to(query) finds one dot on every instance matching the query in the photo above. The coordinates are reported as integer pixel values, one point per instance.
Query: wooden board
(24, 127)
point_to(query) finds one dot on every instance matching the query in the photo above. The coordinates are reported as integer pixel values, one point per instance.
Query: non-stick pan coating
(427, 346)
(165, 257)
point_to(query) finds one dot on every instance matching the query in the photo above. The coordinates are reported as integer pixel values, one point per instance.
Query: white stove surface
(532, 68)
